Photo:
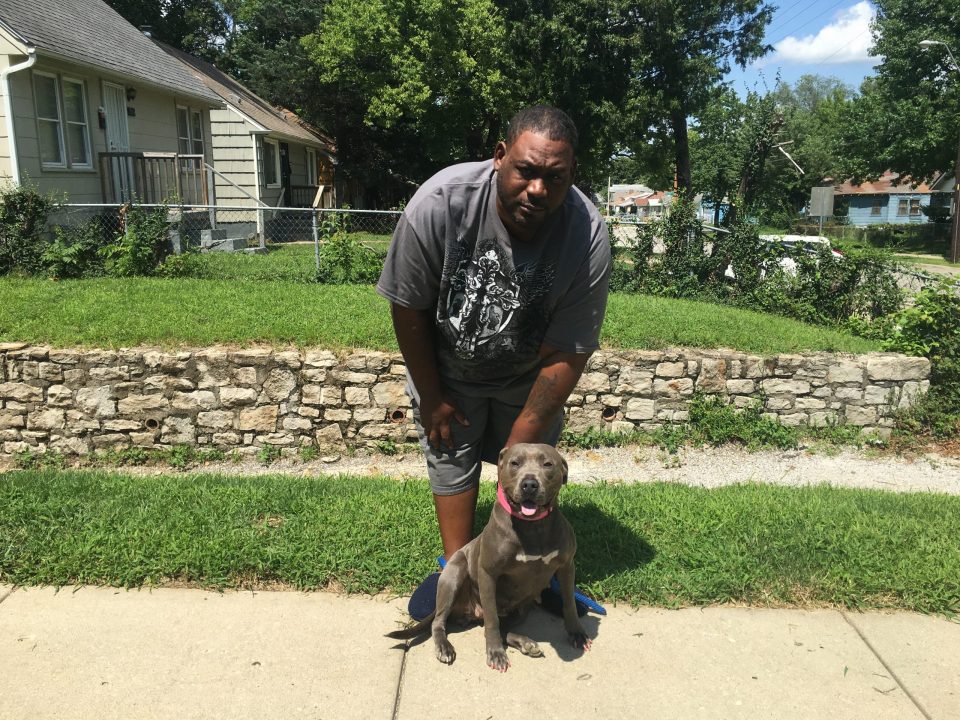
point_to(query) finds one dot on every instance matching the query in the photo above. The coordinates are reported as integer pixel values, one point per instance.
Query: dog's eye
(547, 463)
(514, 463)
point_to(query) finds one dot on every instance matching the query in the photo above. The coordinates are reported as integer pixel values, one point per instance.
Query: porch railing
(153, 177)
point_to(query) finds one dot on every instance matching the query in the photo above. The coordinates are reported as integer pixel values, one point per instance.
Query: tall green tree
(198, 26)
(680, 51)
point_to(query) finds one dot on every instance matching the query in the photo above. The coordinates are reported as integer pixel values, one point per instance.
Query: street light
(955, 227)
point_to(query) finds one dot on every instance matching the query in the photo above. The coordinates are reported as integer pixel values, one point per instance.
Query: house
(91, 109)
(893, 198)
(262, 155)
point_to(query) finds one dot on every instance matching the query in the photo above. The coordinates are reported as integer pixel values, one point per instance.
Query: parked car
(792, 244)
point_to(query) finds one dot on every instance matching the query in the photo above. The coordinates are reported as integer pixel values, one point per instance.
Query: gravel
(703, 467)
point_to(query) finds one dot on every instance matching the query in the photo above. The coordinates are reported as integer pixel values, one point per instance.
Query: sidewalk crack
(403, 669)
(8, 593)
(893, 674)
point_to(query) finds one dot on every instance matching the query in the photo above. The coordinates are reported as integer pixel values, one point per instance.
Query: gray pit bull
(503, 570)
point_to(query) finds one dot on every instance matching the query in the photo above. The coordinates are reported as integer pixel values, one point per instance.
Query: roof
(890, 183)
(273, 119)
(90, 32)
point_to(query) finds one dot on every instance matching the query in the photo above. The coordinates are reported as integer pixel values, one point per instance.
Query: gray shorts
(457, 470)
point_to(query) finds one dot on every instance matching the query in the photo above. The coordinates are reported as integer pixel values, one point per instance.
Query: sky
(818, 37)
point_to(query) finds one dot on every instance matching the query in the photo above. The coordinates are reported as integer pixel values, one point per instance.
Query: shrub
(142, 246)
(75, 251)
(344, 259)
(23, 237)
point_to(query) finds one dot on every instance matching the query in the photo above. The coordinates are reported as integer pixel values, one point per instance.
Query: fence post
(316, 237)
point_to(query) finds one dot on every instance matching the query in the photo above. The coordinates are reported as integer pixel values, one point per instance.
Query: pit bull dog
(502, 571)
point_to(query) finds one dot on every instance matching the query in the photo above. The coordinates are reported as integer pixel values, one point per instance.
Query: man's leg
(455, 515)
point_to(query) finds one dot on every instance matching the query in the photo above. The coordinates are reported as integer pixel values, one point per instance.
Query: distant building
(892, 198)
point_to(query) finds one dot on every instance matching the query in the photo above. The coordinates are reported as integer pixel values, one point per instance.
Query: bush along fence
(79, 401)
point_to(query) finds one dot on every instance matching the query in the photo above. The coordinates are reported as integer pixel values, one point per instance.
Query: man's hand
(437, 419)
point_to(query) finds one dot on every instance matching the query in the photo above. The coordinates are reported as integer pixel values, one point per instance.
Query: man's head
(535, 168)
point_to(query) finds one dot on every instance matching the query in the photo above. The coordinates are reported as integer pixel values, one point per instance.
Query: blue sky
(820, 37)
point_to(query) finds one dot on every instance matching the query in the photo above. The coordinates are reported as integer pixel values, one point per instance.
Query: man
(497, 277)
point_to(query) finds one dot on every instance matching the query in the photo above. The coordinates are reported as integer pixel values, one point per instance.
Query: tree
(680, 52)
(197, 26)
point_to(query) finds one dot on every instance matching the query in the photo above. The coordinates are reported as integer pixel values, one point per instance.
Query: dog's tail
(420, 628)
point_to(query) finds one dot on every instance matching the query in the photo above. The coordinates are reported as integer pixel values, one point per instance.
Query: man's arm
(559, 373)
(414, 330)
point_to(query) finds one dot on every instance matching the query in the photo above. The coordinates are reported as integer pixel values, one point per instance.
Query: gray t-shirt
(497, 300)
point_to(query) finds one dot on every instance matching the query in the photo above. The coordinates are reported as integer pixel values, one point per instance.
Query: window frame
(63, 164)
(276, 162)
(183, 140)
(88, 165)
(876, 208)
(313, 168)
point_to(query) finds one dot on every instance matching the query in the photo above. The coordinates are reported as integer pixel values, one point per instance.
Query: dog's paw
(530, 648)
(580, 640)
(445, 652)
(497, 659)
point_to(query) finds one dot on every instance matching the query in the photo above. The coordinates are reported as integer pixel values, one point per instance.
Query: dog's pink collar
(505, 504)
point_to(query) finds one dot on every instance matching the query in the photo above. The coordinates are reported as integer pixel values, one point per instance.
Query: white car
(809, 244)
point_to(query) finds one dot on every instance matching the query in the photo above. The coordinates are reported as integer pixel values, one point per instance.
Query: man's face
(534, 174)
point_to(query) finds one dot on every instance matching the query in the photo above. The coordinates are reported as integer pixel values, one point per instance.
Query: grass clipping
(655, 544)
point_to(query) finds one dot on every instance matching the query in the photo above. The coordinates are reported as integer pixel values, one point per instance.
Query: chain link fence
(237, 228)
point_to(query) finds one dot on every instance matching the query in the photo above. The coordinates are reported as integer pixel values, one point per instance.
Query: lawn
(659, 544)
(172, 312)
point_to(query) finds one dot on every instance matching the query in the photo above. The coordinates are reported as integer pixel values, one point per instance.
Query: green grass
(108, 312)
(658, 544)
(917, 259)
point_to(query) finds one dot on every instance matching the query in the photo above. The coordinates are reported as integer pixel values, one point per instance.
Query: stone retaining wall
(78, 401)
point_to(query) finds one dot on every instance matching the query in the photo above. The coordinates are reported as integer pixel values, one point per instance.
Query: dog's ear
(563, 466)
(500, 458)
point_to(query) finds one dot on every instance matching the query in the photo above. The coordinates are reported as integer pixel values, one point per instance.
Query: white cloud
(845, 40)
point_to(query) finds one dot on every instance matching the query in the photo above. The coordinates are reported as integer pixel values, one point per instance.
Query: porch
(155, 177)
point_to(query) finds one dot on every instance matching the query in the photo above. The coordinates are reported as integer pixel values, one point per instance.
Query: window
(75, 112)
(46, 91)
(907, 206)
(271, 163)
(312, 167)
(189, 131)
(877, 207)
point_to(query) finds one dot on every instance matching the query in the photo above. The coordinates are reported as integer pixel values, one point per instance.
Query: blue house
(892, 199)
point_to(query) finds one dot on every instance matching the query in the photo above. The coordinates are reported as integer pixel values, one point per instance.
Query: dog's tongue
(528, 508)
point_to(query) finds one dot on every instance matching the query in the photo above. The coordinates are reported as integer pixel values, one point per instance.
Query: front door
(286, 197)
(121, 179)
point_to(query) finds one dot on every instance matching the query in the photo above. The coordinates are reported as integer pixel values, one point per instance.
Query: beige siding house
(91, 109)
(263, 155)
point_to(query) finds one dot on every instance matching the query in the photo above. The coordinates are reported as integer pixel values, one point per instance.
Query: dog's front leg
(578, 636)
(496, 652)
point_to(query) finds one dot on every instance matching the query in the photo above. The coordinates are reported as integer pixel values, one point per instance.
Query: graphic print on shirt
(493, 308)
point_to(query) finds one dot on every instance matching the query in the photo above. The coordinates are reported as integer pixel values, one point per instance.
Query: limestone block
(897, 367)
(357, 396)
(143, 439)
(741, 387)
(912, 391)
(742, 401)
(74, 378)
(46, 420)
(244, 375)
(109, 374)
(136, 404)
(593, 382)
(391, 394)
(713, 376)
(337, 415)
(370, 414)
(65, 357)
(823, 419)
(110, 440)
(262, 418)
(226, 438)
(779, 403)
(288, 358)
(10, 419)
(353, 378)
(20, 392)
(59, 396)
(755, 367)
(794, 419)
(329, 435)
(785, 387)
(612, 401)
(235, 397)
(295, 423)
(809, 403)
(680, 387)
(278, 438)
(845, 371)
(122, 425)
(397, 369)
(252, 356)
(279, 383)
(199, 400)
(70, 445)
(178, 431)
(162, 383)
(314, 375)
(848, 393)
(670, 369)
(622, 427)
(216, 419)
(856, 415)
(212, 378)
(640, 409)
(878, 395)
(377, 362)
(672, 415)
(634, 381)
(29, 371)
(78, 421)
(50, 371)
(309, 412)
(320, 359)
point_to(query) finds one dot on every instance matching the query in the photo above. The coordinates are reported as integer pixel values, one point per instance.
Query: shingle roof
(276, 120)
(889, 182)
(92, 33)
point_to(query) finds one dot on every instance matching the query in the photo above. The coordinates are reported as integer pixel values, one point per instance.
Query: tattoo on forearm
(543, 401)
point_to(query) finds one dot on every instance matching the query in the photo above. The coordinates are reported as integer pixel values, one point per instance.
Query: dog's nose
(529, 486)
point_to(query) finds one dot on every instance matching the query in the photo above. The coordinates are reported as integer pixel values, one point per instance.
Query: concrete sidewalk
(107, 653)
